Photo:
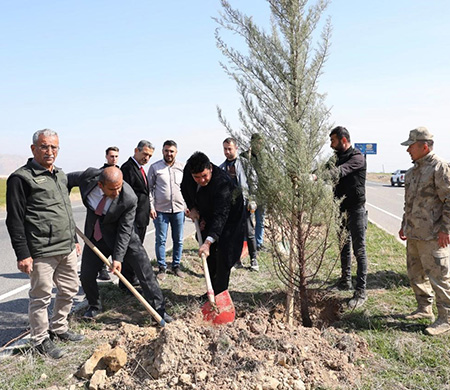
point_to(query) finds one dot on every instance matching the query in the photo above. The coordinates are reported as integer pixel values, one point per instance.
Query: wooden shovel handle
(130, 287)
(209, 289)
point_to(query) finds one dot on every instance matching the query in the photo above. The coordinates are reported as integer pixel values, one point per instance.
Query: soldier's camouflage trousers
(428, 271)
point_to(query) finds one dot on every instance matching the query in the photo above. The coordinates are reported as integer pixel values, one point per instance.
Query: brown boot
(421, 312)
(438, 327)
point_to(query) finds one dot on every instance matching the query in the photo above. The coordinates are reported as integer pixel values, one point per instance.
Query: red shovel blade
(222, 312)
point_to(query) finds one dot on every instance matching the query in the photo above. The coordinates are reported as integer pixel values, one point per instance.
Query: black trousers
(223, 254)
(136, 257)
(356, 226)
(219, 269)
(250, 234)
(127, 270)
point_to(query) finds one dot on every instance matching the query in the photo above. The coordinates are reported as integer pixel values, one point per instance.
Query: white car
(398, 177)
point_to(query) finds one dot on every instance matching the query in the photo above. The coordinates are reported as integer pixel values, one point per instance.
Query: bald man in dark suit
(118, 238)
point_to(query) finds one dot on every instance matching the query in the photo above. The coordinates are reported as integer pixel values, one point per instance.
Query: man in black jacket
(214, 200)
(134, 175)
(110, 227)
(350, 169)
(112, 158)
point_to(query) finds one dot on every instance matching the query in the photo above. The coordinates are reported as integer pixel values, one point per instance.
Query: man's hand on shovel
(204, 249)
(116, 266)
(193, 214)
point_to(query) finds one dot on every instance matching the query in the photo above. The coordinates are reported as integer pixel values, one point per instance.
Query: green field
(2, 193)
(75, 191)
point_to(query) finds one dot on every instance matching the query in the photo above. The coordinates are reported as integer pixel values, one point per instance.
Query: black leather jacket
(351, 185)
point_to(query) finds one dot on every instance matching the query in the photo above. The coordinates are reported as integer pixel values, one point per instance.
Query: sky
(104, 73)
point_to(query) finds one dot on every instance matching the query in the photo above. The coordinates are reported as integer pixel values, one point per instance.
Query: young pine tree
(277, 79)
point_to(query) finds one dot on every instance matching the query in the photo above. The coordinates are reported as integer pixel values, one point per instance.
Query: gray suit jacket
(117, 224)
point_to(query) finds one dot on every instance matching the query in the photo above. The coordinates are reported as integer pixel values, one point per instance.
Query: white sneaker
(254, 265)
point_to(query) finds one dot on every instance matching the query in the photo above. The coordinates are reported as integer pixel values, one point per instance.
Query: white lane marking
(24, 287)
(384, 211)
(15, 291)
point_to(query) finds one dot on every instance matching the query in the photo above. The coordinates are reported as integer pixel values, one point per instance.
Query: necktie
(99, 212)
(143, 175)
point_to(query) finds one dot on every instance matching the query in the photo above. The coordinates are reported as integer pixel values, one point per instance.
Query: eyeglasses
(44, 148)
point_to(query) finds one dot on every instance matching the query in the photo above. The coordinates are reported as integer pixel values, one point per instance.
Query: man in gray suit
(111, 207)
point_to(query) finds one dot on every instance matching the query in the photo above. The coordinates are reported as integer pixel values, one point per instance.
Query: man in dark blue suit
(111, 207)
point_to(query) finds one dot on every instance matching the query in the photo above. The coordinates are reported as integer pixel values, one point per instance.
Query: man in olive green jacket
(42, 231)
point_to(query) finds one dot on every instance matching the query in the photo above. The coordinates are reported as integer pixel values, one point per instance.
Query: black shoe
(167, 319)
(134, 282)
(92, 312)
(103, 274)
(178, 272)
(161, 273)
(202, 298)
(342, 285)
(67, 336)
(47, 348)
(359, 298)
(238, 265)
(261, 248)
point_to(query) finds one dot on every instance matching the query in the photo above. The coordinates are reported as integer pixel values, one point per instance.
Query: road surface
(385, 205)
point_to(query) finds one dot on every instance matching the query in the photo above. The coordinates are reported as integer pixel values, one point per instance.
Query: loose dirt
(257, 351)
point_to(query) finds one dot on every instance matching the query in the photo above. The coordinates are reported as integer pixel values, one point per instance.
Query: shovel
(130, 287)
(219, 309)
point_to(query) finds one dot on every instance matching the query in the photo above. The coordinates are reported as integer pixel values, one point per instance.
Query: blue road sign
(367, 148)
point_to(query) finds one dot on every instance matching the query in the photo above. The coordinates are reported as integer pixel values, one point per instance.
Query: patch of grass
(29, 370)
(2, 193)
(75, 193)
(404, 357)
(379, 177)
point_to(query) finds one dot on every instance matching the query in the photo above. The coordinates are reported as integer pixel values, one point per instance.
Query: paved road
(385, 205)
(14, 285)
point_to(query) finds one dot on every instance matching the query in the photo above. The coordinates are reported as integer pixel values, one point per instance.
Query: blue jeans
(356, 225)
(259, 226)
(162, 221)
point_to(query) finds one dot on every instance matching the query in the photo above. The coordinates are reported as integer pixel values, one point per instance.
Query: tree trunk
(304, 302)
(290, 298)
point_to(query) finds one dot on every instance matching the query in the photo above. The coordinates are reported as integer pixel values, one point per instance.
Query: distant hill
(9, 163)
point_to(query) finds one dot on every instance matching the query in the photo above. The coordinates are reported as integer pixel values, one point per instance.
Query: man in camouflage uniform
(426, 226)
